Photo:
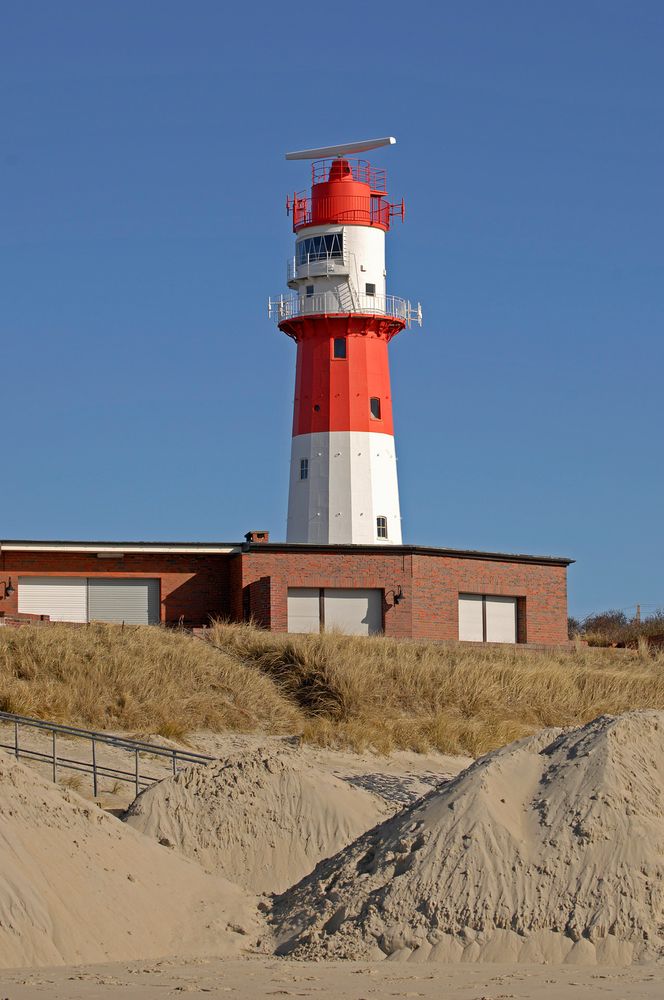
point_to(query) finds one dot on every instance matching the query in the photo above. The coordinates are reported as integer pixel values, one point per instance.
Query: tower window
(339, 347)
(370, 289)
(313, 249)
(374, 407)
(304, 468)
(381, 527)
(310, 291)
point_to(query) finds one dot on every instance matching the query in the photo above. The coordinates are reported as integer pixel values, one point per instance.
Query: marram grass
(333, 690)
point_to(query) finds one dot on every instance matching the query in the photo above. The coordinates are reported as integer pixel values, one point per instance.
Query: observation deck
(344, 191)
(343, 302)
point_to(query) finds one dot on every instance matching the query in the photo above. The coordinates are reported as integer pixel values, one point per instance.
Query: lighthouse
(343, 472)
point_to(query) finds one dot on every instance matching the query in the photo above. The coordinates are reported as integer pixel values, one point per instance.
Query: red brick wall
(438, 581)
(431, 585)
(255, 583)
(192, 586)
(331, 569)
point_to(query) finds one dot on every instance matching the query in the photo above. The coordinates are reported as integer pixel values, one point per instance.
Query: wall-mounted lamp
(397, 595)
(8, 588)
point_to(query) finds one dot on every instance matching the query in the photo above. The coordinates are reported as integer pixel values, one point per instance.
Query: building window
(304, 468)
(370, 289)
(339, 347)
(381, 527)
(310, 291)
(374, 407)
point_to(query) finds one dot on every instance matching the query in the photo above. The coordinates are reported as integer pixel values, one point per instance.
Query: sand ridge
(78, 886)
(548, 850)
(263, 818)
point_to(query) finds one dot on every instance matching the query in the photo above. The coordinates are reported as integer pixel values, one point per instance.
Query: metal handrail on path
(135, 776)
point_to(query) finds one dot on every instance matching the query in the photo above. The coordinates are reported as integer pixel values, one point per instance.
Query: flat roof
(424, 550)
(33, 545)
(223, 548)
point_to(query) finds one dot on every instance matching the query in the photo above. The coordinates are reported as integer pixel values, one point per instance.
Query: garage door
(500, 619)
(63, 598)
(304, 609)
(351, 611)
(487, 618)
(354, 612)
(471, 617)
(135, 602)
(79, 599)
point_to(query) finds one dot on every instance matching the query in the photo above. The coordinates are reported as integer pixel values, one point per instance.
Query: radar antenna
(346, 148)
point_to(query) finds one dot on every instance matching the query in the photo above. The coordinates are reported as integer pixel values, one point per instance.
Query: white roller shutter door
(354, 612)
(500, 619)
(133, 601)
(303, 609)
(62, 598)
(471, 617)
(486, 618)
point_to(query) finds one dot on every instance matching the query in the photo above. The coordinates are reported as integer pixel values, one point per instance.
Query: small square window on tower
(374, 408)
(370, 289)
(339, 347)
(304, 468)
(381, 527)
(310, 291)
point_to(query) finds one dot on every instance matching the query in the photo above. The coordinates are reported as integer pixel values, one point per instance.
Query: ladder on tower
(347, 296)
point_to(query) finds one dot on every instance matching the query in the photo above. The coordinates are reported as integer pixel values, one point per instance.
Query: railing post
(136, 778)
(55, 766)
(16, 752)
(94, 767)
(174, 767)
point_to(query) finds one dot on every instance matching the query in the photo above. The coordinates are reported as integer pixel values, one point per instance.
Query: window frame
(304, 468)
(342, 341)
(381, 526)
(372, 400)
(370, 285)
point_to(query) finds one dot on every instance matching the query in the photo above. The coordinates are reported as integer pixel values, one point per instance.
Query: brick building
(399, 590)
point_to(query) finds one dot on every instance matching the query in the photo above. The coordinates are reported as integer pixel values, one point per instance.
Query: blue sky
(145, 395)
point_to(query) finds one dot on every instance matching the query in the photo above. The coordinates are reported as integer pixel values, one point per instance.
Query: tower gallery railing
(343, 300)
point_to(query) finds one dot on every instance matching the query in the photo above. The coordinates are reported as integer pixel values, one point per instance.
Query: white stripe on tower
(348, 482)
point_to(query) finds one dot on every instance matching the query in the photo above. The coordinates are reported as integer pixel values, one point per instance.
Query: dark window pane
(339, 347)
(370, 288)
(374, 405)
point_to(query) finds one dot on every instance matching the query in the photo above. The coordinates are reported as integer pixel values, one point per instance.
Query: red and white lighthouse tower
(343, 477)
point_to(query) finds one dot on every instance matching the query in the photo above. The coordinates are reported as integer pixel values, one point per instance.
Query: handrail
(287, 306)
(359, 170)
(135, 747)
(318, 264)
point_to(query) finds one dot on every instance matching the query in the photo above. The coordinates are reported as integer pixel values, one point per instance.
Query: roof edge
(408, 550)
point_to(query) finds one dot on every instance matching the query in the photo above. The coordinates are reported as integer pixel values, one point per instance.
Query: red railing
(360, 170)
(378, 213)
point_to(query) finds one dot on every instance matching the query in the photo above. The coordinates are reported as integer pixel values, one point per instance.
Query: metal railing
(351, 210)
(318, 265)
(359, 170)
(332, 302)
(57, 761)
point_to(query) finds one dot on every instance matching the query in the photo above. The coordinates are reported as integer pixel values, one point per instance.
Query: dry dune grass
(334, 690)
(136, 679)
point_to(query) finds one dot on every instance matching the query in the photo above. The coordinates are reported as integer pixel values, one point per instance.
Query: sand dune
(262, 818)
(548, 850)
(78, 886)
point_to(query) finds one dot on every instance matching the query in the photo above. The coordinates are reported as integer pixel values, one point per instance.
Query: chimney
(257, 536)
